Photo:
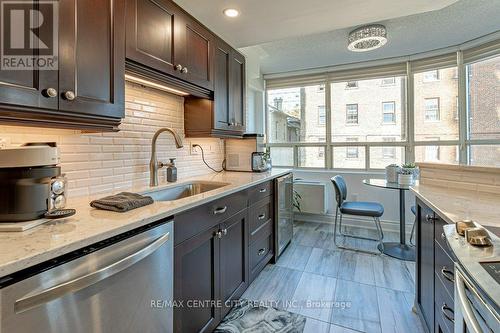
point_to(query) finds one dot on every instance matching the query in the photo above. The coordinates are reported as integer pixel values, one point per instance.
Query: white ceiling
(264, 21)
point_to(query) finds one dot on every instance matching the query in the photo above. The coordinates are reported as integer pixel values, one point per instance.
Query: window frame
(477, 53)
(393, 113)
(347, 122)
(438, 110)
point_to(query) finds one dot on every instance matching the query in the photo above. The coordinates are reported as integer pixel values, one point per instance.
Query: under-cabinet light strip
(151, 84)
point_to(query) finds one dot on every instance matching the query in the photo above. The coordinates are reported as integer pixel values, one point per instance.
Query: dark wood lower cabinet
(234, 259)
(196, 279)
(435, 272)
(214, 258)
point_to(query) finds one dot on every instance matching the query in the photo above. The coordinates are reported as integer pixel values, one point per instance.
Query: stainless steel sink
(183, 190)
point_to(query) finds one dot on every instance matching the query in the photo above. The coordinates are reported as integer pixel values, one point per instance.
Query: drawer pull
(430, 218)
(219, 211)
(263, 190)
(262, 251)
(447, 274)
(218, 234)
(224, 232)
(261, 216)
(444, 310)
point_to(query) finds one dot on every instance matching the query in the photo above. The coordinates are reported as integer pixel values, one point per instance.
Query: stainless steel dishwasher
(283, 212)
(123, 284)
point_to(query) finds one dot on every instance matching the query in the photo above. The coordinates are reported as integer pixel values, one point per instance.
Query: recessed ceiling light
(231, 12)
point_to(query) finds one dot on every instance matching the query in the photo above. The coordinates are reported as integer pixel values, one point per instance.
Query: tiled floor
(339, 291)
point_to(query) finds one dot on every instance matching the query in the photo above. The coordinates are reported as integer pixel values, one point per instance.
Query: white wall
(388, 198)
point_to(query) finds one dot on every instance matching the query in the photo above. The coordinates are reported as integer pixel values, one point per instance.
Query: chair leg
(413, 232)
(335, 228)
(381, 232)
(379, 229)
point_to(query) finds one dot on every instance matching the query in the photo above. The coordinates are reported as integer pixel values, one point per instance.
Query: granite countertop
(454, 205)
(19, 250)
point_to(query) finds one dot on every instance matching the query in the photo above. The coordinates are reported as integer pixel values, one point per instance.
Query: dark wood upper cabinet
(225, 115)
(161, 36)
(153, 28)
(86, 88)
(91, 62)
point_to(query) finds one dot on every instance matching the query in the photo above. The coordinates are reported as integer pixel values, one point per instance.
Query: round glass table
(399, 249)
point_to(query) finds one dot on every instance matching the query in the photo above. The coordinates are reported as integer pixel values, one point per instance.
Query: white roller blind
(427, 64)
(296, 81)
(484, 51)
(368, 73)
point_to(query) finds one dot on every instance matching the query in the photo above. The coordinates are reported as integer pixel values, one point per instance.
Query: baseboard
(387, 225)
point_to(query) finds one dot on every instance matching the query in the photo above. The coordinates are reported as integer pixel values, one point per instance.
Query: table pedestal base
(398, 250)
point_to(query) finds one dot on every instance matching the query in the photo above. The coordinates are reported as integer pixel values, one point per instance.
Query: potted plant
(413, 169)
(405, 177)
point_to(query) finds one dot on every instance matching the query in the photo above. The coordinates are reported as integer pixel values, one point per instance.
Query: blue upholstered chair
(357, 208)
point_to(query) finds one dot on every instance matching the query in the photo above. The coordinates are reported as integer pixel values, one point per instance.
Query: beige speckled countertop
(454, 205)
(19, 250)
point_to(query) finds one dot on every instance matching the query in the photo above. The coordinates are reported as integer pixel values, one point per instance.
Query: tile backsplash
(102, 162)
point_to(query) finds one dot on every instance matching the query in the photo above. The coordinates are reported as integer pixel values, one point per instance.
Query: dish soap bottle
(172, 171)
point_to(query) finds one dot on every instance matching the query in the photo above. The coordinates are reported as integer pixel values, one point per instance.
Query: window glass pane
(349, 157)
(311, 157)
(487, 155)
(437, 154)
(295, 116)
(484, 99)
(435, 94)
(282, 156)
(380, 157)
(321, 115)
(360, 111)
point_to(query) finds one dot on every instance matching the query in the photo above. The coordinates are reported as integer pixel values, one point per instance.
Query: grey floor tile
(316, 326)
(340, 329)
(396, 313)
(356, 266)
(274, 284)
(295, 256)
(325, 240)
(306, 237)
(324, 262)
(361, 310)
(393, 274)
(314, 296)
(410, 265)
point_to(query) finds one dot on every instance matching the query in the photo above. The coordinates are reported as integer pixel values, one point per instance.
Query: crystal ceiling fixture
(367, 38)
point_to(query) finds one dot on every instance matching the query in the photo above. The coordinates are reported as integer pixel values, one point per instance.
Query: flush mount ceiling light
(231, 12)
(367, 38)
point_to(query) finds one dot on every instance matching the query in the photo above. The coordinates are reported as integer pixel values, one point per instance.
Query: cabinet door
(196, 278)
(425, 264)
(222, 61)
(154, 31)
(234, 259)
(92, 57)
(194, 53)
(237, 84)
(24, 87)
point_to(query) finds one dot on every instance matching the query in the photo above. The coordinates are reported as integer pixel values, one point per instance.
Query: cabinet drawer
(259, 192)
(439, 236)
(260, 219)
(260, 253)
(196, 220)
(444, 268)
(443, 307)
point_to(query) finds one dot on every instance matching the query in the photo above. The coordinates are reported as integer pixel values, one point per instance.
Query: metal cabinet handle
(262, 251)
(447, 274)
(50, 92)
(218, 234)
(263, 190)
(445, 309)
(178, 67)
(261, 216)
(219, 211)
(184, 70)
(224, 232)
(467, 312)
(69, 95)
(82, 282)
(429, 218)
(443, 236)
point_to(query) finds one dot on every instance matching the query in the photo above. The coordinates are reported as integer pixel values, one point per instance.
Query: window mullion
(410, 115)
(462, 109)
(328, 110)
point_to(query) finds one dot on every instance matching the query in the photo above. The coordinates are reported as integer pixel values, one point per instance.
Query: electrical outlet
(193, 150)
